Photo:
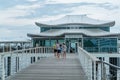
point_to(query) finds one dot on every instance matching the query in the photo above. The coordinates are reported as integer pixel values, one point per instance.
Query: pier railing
(14, 61)
(95, 69)
(35, 50)
(88, 63)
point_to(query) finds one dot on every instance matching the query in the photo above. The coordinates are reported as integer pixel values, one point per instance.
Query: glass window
(53, 42)
(44, 29)
(100, 44)
(47, 42)
(91, 44)
(108, 45)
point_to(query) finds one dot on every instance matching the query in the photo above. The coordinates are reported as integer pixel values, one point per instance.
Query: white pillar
(94, 70)
(99, 72)
(106, 66)
(3, 48)
(3, 68)
(16, 46)
(118, 71)
(82, 42)
(10, 47)
(89, 69)
(118, 74)
(23, 45)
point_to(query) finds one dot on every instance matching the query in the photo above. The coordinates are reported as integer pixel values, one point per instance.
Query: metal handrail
(93, 67)
(111, 76)
(109, 64)
(37, 50)
(89, 55)
(22, 50)
(88, 63)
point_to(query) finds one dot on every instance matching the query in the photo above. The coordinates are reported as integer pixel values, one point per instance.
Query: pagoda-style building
(91, 34)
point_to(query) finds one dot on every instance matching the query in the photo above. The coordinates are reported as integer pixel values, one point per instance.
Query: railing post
(94, 74)
(10, 48)
(43, 49)
(118, 74)
(99, 71)
(90, 69)
(17, 62)
(3, 68)
(3, 48)
(35, 49)
(104, 72)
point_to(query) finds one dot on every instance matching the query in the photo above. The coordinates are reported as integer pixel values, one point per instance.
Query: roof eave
(37, 35)
(108, 24)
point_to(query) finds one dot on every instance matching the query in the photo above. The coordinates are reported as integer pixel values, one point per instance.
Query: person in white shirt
(58, 50)
(64, 48)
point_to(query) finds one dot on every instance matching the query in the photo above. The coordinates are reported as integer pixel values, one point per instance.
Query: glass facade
(44, 29)
(105, 28)
(91, 44)
(100, 44)
(46, 42)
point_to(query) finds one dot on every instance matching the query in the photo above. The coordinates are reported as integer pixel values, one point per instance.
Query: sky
(18, 17)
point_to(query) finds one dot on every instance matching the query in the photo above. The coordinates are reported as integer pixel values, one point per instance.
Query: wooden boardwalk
(52, 69)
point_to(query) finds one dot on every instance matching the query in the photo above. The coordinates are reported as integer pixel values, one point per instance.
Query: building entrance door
(72, 44)
(73, 47)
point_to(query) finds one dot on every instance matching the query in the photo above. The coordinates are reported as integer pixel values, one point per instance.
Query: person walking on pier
(58, 50)
(64, 48)
(55, 50)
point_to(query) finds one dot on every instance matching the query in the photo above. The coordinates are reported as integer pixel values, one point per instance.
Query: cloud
(107, 6)
(49, 18)
(32, 0)
(78, 1)
(33, 6)
(19, 15)
(18, 20)
(97, 12)
(8, 17)
(111, 4)
(7, 34)
(11, 16)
